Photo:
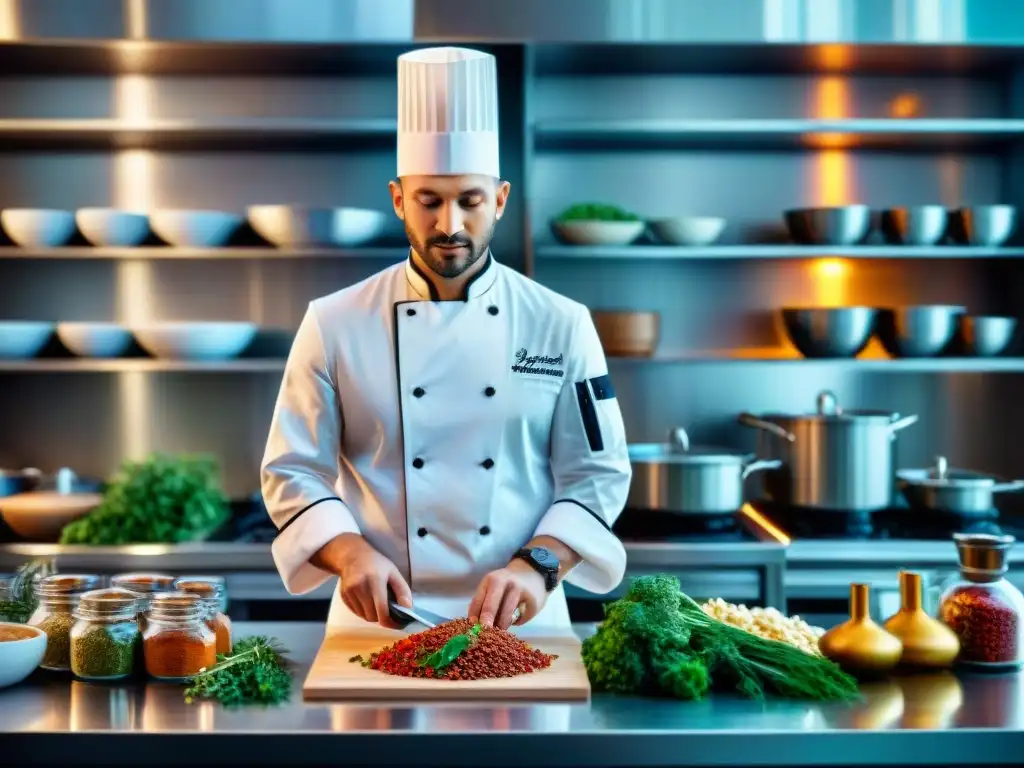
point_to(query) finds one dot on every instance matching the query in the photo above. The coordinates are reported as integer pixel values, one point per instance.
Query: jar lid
(679, 451)
(175, 605)
(829, 410)
(983, 554)
(107, 602)
(203, 586)
(144, 583)
(66, 584)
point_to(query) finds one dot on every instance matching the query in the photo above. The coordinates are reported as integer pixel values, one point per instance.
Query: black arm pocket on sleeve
(588, 413)
(602, 386)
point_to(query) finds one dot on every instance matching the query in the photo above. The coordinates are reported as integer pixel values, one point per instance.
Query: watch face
(544, 558)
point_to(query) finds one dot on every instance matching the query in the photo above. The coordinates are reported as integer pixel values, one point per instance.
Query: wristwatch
(544, 562)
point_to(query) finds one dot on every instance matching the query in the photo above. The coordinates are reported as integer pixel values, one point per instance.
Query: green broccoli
(658, 641)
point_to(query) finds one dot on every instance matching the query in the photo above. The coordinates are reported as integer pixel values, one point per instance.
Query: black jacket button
(487, 463)
(417, 462)
(485, 531)
(419, 392)
(410, 312)
(421, 532)
(490, 391)
(492, 309)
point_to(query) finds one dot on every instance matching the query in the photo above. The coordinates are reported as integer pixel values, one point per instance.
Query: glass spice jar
(105, 636)
(143, 586)
(177, 644)
(210, 589)
(58, 597)
(982, 607)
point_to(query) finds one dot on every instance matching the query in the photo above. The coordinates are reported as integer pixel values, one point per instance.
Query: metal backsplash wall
(91, 421)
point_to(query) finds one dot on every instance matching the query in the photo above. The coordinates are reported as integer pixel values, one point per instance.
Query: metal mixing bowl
(829, 332)
(843, 225)
(916, 225)
(921, 331)
(988, 225)
(986, 336)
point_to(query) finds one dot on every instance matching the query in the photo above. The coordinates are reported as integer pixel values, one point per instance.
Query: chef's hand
(365, 577)
(504, 590)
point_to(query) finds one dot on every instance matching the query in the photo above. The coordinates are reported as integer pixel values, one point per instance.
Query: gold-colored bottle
(927, 642)
(859, 645)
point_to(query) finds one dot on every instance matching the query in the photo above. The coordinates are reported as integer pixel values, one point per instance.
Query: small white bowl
(94, 339)
(291, 226)
(582, 232)
(195, 229)
(22, 339)
(38, 227)
(112, 227)
(19, 658)
(688, 230)
(195, 341)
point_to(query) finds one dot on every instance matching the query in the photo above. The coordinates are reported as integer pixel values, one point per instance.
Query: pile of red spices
(493, 653)
(987, 627)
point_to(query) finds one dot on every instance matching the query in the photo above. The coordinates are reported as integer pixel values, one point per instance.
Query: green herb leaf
(451, 650)
(21, 600)
(255, 672)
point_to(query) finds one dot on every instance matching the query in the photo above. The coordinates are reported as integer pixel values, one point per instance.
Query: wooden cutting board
(334, 678)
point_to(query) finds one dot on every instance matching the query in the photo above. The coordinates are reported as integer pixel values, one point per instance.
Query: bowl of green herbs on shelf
(163, 499)
(597, 224)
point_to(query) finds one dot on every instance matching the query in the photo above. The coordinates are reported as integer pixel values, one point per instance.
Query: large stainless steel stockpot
(833, 459)
(672, 477)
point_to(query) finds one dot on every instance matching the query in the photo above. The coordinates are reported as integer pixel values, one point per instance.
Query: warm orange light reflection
(834, 58)
(832, 176)
(830, 282)
(10, 23)
(905, 105)
(764, 524)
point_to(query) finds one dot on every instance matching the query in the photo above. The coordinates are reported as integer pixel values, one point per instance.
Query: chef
(446, 429)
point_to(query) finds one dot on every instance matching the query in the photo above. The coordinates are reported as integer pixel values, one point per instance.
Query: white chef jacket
(448, 434)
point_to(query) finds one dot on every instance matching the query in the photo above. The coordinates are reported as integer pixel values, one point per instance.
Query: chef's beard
(446, 263)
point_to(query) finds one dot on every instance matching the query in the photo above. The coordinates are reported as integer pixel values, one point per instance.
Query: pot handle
(903, 423)
(750, 420)
(1009, 485)
(760, 465)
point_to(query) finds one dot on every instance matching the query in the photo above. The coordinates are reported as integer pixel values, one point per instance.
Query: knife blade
(403, 616)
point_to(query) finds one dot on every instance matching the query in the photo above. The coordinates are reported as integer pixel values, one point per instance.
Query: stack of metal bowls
(839, 225)
(829, 332)
(918, 331)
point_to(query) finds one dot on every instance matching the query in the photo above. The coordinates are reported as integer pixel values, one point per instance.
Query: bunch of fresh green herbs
(658, 641)
(255, 672)
(18, 602)
(163, 499)
(596, 212)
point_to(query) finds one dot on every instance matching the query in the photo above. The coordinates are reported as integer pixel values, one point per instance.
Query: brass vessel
(859, 645)
(927, 642)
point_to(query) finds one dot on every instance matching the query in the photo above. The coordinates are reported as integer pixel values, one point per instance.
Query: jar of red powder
(211, 591)
(177, 644)
(982, 607)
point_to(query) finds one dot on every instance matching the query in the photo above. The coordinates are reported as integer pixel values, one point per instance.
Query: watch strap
(550, 574)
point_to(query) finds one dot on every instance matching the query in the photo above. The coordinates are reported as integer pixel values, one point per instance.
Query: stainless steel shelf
(867, 133)
(229, 134)
(901, 365)
(128, 365)
(395, 253)
(786, 251)
(272, 365)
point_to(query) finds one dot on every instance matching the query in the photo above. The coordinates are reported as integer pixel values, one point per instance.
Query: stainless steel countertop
(925, 720)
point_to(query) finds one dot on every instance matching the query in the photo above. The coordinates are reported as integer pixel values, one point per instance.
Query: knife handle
(393, 610)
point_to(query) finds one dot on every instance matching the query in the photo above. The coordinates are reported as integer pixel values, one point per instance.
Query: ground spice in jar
(987, 627)
(105, 638)
(177, 643)
(491, 653)
(211, 591)
(58, 597)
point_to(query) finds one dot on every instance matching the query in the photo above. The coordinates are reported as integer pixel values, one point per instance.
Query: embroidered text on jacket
(537, 364)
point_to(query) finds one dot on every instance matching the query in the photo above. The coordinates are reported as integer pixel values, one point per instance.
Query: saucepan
(959, 491)
(673, 477)
(833, 459)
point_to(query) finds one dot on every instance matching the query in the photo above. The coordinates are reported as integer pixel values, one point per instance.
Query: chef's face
(449, 219)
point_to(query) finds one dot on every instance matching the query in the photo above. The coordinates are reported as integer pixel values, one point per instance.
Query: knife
(403, 616)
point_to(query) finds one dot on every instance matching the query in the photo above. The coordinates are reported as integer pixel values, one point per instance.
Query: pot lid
(679, 451)
(830, 410)
(941, 476)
